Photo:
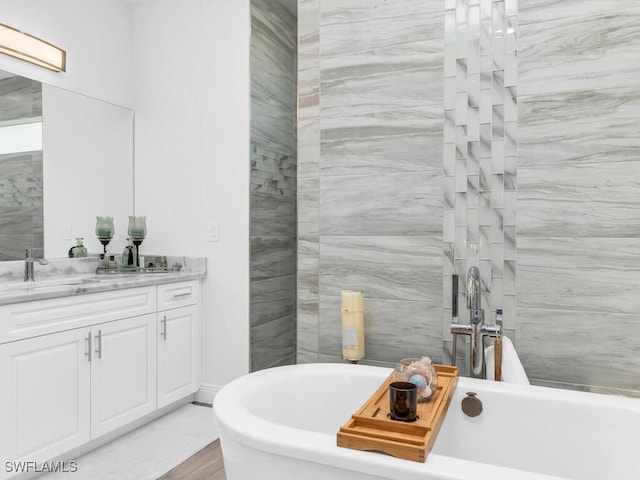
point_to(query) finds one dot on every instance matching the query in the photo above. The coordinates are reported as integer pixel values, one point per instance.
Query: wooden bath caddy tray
(371, 429)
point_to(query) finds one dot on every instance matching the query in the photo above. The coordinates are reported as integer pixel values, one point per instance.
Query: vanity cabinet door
(45, 395)
(178, 354)
(123, 372)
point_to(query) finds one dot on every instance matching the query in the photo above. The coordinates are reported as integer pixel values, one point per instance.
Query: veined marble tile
(273, 85)
(396, 204)
(271, 214)
(278, 288)
(400, 268)
(308, 206)
(579, 127)
(308, 82)
(273, 70)
(598, 199)
(534, 11)
(308, 155)
(581, 274)
(308, 75)
(580, 347)
(308, 51)
(266, 310)
(19, 164)
(382, 142)
(273, 124)
(272, 257)
(308, 267)
(307, 296)
(356, 25)
(276, 22)
(306, 356)
(308, 20)
(368, 81)
(272, 342)
(394, 329)
(594, 52)
(20, 98)
(273, 80)
(13, 245)
(16, 219)
(307, 325)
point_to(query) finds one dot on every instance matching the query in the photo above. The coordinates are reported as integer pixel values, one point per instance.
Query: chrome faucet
(28, 265)
(476, 327)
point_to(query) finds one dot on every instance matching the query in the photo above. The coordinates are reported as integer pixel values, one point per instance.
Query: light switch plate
(212, 231)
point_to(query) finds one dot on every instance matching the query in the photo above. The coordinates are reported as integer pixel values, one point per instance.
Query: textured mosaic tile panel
(480, 158)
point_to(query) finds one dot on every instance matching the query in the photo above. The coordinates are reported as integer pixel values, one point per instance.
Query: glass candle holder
(137, 227)
(104, 230)
(104, 227)
(137, 231)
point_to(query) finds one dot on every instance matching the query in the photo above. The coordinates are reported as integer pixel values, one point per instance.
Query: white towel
(512, 369)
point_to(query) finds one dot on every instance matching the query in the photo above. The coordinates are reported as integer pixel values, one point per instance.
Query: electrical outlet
(67, 234)
(212, 231)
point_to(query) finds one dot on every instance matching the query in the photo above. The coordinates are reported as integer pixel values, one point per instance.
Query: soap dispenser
(129, 256)
(79, 250)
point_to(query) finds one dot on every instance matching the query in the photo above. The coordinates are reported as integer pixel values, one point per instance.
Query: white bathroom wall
(192, 158)
(192, 88)
(96, 36)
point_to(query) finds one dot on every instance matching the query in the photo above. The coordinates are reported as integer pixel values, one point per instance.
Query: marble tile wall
(578, 194)
(538, 118)
(273, 186)
(370, 149)
(21, 181)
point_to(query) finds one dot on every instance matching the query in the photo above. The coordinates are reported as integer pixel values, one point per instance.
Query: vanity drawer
(174, 295)
(31, 319)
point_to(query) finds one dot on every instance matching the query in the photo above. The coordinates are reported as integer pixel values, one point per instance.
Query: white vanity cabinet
(75, 368)
(45, 395)
(123, 372)
(178, 341)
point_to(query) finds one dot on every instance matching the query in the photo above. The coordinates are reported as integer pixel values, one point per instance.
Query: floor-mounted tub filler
(281, 424)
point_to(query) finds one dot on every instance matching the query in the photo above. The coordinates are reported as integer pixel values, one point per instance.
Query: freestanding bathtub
(281, 424)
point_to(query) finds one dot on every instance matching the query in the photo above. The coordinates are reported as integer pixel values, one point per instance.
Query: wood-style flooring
(206, 464)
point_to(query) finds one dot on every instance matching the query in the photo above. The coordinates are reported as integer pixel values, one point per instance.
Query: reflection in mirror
(78, 166)
(21, 220)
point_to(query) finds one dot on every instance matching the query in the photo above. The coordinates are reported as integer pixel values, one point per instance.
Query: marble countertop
(66, 277)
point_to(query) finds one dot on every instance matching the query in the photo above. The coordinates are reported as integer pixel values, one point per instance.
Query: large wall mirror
(65, 158)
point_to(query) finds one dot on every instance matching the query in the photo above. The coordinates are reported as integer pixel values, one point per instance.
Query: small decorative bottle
(79, 250)
(129, 255)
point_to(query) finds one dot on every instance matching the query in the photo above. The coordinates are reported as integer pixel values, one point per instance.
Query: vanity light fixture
(31, 49)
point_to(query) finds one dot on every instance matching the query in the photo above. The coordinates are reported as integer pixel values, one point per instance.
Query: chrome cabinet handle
(164, 327)
(88, 352)
(99, 344)
(180, 295)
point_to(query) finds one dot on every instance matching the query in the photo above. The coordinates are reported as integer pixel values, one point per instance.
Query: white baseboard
(207, 393)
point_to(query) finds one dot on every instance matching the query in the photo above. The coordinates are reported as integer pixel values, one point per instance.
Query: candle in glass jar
(352, 325)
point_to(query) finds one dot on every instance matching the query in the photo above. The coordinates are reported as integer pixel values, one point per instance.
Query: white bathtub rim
(248, 429)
